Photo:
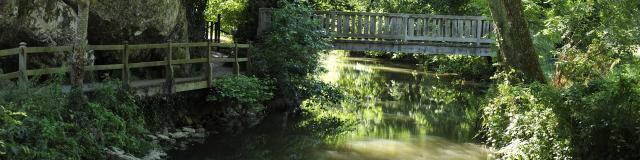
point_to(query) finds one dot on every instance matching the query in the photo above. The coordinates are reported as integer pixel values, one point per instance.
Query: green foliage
(242, 90)
(597, 120)
(230, 12)
(583, 33)
(290, 50)
(36, 124)
(453, 7)
(468, 67)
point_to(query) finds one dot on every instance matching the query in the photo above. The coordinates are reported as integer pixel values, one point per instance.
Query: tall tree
(514, 39)
(79, 54)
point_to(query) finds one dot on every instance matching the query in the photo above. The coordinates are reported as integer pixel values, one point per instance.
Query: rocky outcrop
(53, 22)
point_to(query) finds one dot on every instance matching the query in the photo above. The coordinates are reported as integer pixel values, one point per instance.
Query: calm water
(390, 112)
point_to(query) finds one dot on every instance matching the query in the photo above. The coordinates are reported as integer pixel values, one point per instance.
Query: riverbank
(37, 123)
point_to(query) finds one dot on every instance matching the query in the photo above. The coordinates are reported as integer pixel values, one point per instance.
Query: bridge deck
(149, 87)
(396, 32)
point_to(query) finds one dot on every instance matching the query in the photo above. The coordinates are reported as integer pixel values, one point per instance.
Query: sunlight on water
(401, 128)
(427, 149)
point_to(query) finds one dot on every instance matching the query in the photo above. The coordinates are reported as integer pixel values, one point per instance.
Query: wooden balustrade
(395, 26)
(125, 65)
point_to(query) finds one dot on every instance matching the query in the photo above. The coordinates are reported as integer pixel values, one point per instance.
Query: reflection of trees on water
(388, 109)
(404, 106)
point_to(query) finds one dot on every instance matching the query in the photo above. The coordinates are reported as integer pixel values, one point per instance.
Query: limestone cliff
(53, 22)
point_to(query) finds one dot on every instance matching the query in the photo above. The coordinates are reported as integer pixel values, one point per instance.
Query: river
(389, 112)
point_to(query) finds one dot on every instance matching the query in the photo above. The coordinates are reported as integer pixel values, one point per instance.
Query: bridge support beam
(414, 47)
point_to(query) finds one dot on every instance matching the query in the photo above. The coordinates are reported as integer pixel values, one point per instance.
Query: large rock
(53, 22)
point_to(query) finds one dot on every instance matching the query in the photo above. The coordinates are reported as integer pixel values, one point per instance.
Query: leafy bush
(242, 90)
(468, 67)
(36, 124)
(290, 50)
(598, 120)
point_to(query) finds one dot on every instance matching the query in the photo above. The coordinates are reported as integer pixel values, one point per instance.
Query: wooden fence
(23, 73)
(397, 26)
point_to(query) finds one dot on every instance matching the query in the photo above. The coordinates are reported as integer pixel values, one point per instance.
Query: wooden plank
(229, 59)
(387, 26)
(11, 75)
(439, 30)
(411, 28)
(209, 68)
(447, 28)
(103, 67)
(366, 19)
(170, 77)
(22, 63)
(48, 49)
(373, 24)
(148, 46)
(339, 25)
(190, 45)
(126, 73)
(347, 25)
(57, 70)
(147, 64)
(105, 47)
(236, 65)
(450, 39)
(9, 52)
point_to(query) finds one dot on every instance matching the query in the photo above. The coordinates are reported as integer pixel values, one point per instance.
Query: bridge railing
(124, 51)
(397, 26)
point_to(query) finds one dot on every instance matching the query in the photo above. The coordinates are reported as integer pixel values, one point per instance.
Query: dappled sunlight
(430, 148)
(400, 112)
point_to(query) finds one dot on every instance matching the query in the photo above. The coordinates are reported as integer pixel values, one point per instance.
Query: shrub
(35, 123)
(242, 90)
(290, 50)
(468, 67)
(597, 120)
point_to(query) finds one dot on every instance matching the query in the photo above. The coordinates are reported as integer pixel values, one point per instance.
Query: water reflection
(427, 149)
(393, 111)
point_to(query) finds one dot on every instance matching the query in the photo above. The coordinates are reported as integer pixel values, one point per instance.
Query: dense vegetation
(36, 123)
(290, 53)
(585, 106)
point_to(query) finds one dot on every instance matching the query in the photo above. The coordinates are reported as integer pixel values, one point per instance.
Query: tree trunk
(514, 39)
(79, 55)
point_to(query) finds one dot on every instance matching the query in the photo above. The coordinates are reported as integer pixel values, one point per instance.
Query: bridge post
(209, 70)
(248, 63)
(236, 65)
(169, 68)
(22, 64)
(404, 25)
(125, 64)
(478, 30)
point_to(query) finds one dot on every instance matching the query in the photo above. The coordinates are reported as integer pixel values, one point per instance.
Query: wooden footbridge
(388, 32)
(408, 33)
(170, 83)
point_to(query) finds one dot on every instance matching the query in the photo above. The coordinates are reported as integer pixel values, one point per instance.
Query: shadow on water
(390, 111)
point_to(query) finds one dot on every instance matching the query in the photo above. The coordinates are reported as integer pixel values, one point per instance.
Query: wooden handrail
(398, 26)
(24, 72)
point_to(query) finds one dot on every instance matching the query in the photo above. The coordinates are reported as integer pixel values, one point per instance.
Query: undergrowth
(599, 119)
(35, 123)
